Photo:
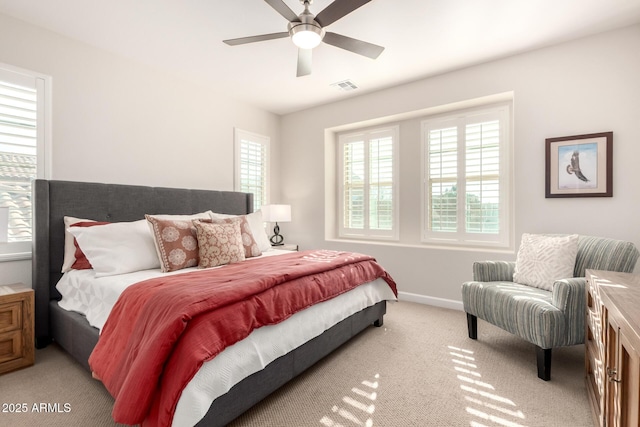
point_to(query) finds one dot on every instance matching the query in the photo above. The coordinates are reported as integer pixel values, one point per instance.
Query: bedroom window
(368, 199)
(252, 166)
(24, 146)
(466, 178)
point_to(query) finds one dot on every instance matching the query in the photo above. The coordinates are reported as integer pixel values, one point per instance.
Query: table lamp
(276, 213)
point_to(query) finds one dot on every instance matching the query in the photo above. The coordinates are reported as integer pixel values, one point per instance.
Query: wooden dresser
(612, 345)
(16, 327)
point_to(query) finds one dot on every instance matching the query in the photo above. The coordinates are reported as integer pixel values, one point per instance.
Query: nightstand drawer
(16, 327)
(10, 317)
(10, 346)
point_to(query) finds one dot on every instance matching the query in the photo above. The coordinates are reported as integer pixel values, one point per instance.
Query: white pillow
(256, 223)
(544, 259)
(121, 247)
(69, 247)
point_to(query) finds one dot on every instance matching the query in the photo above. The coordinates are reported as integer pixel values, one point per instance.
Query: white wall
(119, 121)
(115, 120)
(585, 86)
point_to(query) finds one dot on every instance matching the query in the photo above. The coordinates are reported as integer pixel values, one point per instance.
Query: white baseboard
(424, 299)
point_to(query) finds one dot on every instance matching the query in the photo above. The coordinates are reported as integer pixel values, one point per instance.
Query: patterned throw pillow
(256, 225)
(219, 244)
(544, 259)
(176, 242)
(251, 248)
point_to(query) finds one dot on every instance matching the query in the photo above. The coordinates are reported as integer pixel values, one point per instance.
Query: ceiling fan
(307, 31)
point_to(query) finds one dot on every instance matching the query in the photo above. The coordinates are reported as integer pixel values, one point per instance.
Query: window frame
(21, 250)
(239, 137)
(367, 233)
(461, 238)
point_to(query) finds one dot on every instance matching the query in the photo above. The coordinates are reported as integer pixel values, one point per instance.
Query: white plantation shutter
(482, 184)
(354, 185)
(381, 183)
(22, 136)
(368, 188)
(252, 153)
(443, 172)
(465, 164)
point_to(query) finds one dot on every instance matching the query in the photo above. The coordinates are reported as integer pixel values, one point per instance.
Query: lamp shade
(276, 213)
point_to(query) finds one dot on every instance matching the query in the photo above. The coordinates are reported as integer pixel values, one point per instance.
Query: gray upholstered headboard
(103, 202)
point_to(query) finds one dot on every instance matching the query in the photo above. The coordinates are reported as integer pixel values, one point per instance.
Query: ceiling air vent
(345, 85)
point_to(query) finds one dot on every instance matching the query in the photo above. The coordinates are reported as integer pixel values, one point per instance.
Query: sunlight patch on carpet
(357, 408)
(485, 406)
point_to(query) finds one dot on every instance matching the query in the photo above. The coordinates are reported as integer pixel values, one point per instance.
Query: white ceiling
(421, 38)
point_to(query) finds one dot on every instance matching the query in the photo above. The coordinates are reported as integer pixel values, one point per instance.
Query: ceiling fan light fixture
(306, 36)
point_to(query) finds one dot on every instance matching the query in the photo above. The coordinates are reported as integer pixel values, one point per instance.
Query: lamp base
(277, 239)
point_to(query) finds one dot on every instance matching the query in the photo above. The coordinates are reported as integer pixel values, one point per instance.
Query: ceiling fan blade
(253, 39)
(369, 50)
(304, 62)
(337, 10)
(283, 10)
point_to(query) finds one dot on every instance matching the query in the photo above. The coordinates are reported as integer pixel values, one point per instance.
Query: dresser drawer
(10, 346)
(10, 317)
(594, 369)
(595, 326)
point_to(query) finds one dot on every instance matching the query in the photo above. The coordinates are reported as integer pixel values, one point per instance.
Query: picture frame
(579, 166)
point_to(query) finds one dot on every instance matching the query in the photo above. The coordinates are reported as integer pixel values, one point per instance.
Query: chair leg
(472, 326)
(543, 358)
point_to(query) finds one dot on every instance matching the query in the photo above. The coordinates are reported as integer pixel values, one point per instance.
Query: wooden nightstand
(16, 327)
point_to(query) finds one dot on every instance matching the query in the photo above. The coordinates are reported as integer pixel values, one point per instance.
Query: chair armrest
(569, 296)
(493, 271)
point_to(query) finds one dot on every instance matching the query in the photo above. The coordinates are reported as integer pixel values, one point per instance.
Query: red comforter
(162, 330)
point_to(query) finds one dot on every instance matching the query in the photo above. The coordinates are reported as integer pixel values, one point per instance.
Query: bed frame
(113, 202)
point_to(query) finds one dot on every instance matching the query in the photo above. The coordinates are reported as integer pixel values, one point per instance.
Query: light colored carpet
(419, 369)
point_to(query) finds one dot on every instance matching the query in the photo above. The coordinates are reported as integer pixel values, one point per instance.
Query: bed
(119, 203)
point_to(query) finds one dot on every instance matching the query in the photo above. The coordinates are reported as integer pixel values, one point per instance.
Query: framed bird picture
(579, 166)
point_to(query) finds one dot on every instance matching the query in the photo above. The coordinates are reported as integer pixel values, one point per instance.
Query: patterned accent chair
(547, 319)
